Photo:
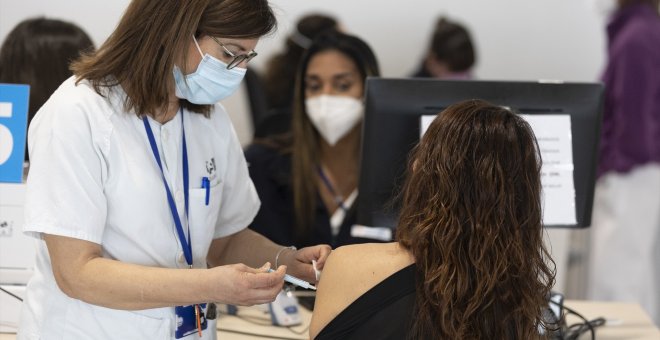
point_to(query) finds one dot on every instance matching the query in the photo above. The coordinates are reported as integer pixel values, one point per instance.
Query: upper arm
(336, 289)
(68, 256)
(65, 187)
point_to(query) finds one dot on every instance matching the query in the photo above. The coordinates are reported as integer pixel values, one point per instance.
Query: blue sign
(13, 126)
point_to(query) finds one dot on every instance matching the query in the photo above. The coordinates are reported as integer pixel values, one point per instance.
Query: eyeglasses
(237, 59)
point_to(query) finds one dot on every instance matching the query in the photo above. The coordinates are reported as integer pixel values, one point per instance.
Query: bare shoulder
(354, 269)
(351, 271)
(357, 253)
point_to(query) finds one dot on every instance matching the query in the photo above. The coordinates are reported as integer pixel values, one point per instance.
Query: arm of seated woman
(349, 272)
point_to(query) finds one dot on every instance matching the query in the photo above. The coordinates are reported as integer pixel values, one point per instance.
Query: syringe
(296, 281)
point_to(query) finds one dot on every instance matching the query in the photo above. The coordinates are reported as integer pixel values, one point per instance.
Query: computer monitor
(392, 126)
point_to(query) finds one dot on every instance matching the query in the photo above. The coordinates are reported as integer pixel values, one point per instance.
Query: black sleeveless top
(383, 312)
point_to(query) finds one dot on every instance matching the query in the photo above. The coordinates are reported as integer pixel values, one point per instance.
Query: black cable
(305, 330)
(12, 294)
(575, 330)
(559, 321)
(551, 323)
(580, 329)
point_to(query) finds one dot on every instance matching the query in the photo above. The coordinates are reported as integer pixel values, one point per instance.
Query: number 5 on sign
(13, 125)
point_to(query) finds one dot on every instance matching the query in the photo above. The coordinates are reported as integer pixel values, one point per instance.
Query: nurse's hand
(238, 284)
(299, 263)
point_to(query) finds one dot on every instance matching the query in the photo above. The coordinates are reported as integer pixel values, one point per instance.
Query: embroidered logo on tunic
(210, 166)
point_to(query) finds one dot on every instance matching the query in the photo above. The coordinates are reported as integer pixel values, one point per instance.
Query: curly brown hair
(471, 217)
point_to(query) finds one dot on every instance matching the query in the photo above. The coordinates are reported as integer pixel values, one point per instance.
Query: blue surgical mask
(210, 83)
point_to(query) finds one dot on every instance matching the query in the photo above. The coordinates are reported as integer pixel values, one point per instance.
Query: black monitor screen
(393, 111)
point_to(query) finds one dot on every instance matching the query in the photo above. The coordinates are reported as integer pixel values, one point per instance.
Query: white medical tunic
(93, 177)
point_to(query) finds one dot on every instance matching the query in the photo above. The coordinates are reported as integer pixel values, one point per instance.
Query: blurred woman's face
(333, 73)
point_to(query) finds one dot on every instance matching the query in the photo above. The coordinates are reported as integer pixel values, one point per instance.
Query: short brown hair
(140, 53)
(452, 44)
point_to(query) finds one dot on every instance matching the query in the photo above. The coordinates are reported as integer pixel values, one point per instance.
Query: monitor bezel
(390, 97)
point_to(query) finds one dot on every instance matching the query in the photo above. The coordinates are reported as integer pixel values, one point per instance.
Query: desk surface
(625, 321)
(251, 321)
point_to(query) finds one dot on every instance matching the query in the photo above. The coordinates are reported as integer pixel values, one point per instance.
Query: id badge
(186, 320)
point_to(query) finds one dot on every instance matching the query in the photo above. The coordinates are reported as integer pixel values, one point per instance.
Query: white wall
(516, 40)
(97, 17)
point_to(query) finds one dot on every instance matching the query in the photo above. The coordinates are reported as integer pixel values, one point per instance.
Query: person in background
(451, 54)
(281, 68)
(37, 52)
(280, 74)
(469, 260)
(307, 179)
(625, 233)
(138, 194)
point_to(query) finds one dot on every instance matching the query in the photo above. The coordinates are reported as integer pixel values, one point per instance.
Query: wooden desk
(252, 321)
(626, 321)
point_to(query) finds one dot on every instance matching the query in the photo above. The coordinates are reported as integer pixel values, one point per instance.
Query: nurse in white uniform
(138, 191)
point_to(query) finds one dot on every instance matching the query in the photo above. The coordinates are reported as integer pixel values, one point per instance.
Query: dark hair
(452, 44)
(471, 217)
(152, 34)
(38, 52)
(281, 68)
(305, 138)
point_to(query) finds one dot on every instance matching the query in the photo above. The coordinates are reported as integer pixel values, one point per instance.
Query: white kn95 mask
(334, 116)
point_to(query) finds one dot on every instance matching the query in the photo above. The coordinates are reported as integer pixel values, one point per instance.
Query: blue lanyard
(326, 182)
(186, 245)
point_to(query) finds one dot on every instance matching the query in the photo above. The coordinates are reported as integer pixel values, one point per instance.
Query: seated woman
(469, 261)
(307, 180)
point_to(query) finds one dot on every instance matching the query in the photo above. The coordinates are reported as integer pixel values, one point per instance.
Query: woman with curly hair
(469, 260)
